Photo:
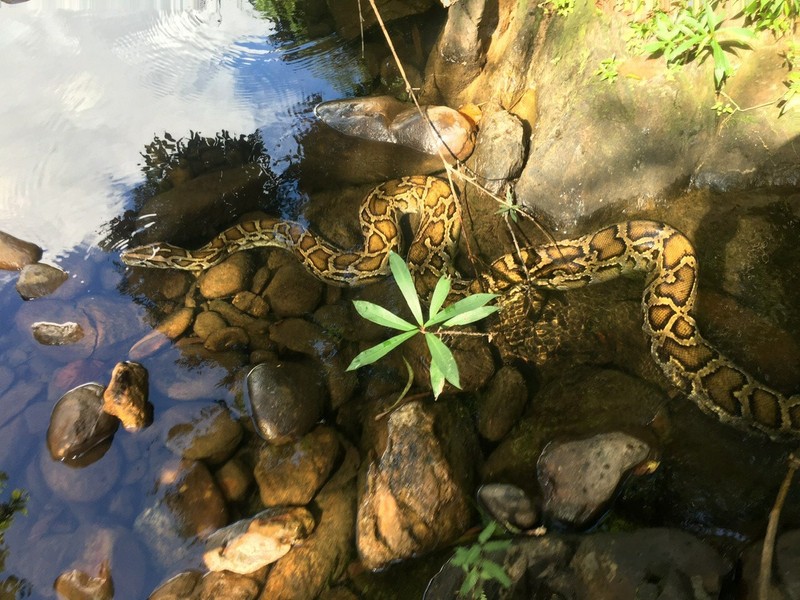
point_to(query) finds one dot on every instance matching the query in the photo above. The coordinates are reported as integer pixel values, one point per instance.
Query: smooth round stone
(37, 280)
(508, 505)
(212, 435)
(16, 253)
(293, 292)
(207, 322)
(78, 422)
(225, 279)
(286, 400)
(227, 338)
(56, 334)
(251, 303)
(85, 484)
(234, 479)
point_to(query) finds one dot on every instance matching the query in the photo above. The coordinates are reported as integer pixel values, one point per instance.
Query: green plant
(509, 206)
(443, 365)
(561, 7)
(478, 567)
(775, 15)
(608, 69)
(792, 83)
(691, 34)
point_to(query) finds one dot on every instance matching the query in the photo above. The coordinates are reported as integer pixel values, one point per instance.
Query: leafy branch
(478, 567)
(443, 365)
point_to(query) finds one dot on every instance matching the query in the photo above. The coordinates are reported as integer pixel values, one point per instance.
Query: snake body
(663, 254)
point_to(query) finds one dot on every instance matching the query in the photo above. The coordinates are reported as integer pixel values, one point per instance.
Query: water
(87, 85)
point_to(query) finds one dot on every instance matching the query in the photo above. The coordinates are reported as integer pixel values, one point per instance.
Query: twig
(768, 549)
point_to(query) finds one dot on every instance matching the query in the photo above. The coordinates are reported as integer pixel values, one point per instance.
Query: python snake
(662, 253)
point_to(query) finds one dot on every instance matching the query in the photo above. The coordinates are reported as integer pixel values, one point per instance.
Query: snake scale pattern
(663, 254)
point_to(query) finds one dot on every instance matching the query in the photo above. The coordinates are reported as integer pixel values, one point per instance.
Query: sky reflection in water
(90, 83)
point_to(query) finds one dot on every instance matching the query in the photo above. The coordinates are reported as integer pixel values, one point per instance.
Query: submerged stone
(56, 334)
(78, 422)
(78, 585)
(37, 280)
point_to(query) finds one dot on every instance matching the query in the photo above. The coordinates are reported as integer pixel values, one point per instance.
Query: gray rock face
(579, 478)
(500, 149)
(37, 280)
(412, 502)
(78, 423)
(286, 400)
(249, 544)
(16, 253)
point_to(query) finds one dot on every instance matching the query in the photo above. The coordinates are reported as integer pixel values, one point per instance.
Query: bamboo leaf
(462, 306)
(437, 380)
(370, 355)
(443, 359)
(381, 316)
(405, 282)
(487, 533)
(440, 293)
(476, 314)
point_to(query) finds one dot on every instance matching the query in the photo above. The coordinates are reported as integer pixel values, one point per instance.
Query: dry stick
(768, 549)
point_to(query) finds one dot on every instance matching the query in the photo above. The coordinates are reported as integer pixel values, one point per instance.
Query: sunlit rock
(38, 279)
(16, 253)
(441, 130)
(79, 585)
(56, 334)
(126, 396)
(249, 544)
(212, 435)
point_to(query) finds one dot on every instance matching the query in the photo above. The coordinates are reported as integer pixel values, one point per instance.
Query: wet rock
(237, 318)
(227, 338)
(413, 500)
(293, 292)
(234, 479)
(37, 280)
(16, 253)
(579, 478)
(126, 396)
(785, 582)
(473, 356)
(286, 400)
(654, 563)
(500, 153)
(501, 405)
(202, 382)
(82, 482)
(231, 586)
(349, 24)
(78, 422)
(250, 303)
(171, 328)
(228, 277)
(324, 555)
(56, 334)
(184, 586)
(249, 544)
(291, 474)
(78, 585)
(212, 435)
(508, 505)
(207, 322)
(385, 119)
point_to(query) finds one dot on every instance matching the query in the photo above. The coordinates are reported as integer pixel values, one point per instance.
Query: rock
(37, 280)
(171, 328)
(249, 544)
(286, 400)
(207, 322)
(202, 382)
(227, 278)
(291, 474)
(77, 585)
(126, 396)
(385, 119)
(253, 304)
(508, 505)
(293, 292)
(184, 586)
(473, 356)
(230, 586)
(502, 404)
(82, 482)
(647, 563)
(212, 435)
(349, 24)
(413, 501)
(234, 479)
(785, 582)
(78, 423)
(56, 334)
(324, 555)
(16, 253)
(579, 478)
(237, 318)
(227, 338)
(500, 153)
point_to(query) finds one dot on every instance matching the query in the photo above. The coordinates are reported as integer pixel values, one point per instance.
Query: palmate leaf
(462, 306)
(381, 316)
(442, 359)
(405, 282)
(370, 355)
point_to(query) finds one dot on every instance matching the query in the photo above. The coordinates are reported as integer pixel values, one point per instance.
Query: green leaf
(440, 293)
(476, 314)
(487, 532)
(460, 557)
(496, 545)
(405, 282)
(381, 316)
(370, 355)
(470, 581)
(462, 306)
(443, 359)
(496, 572)
(437, 380)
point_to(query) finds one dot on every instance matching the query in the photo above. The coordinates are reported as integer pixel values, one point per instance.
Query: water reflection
(94, 81)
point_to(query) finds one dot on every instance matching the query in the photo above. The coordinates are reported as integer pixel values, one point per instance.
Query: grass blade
(370, 355)
(442, 359)
(405, 282)
(470, 316)
(439, 296)
(462, 306)
(381, 316)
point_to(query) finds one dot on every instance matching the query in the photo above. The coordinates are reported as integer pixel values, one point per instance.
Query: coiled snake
(662, 253)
